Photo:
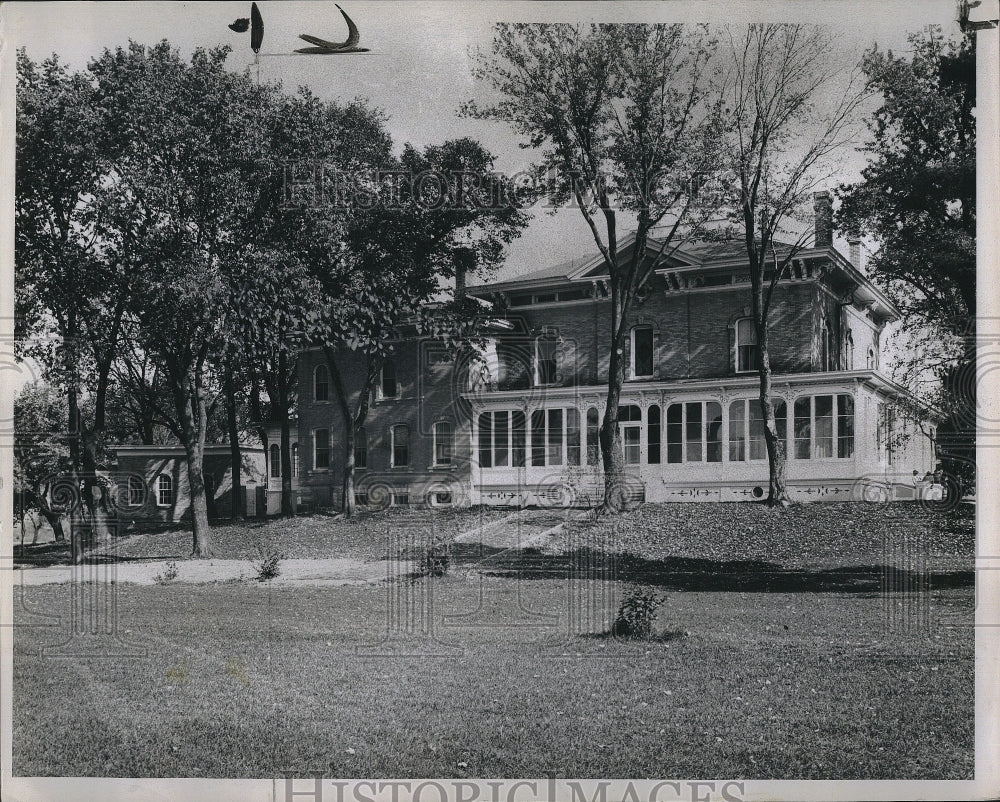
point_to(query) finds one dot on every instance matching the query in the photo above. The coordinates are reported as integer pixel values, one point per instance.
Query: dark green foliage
(636, 614)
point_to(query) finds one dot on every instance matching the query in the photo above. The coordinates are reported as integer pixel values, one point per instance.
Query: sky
(419, 70)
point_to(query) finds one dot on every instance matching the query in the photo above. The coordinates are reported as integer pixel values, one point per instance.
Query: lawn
(250, 680)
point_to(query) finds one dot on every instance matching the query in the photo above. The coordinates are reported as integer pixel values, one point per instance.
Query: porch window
(164, 490)
(501, 439)
(653, 435)
(642, 352)
(444, 443)
(824, 427)
(630, 422)
(321, 449)
(747, 428)
(747, 350)
(547, 437)
(593, 437)
(399, 436)
(572, 437)
(321, 384)
(694, 432)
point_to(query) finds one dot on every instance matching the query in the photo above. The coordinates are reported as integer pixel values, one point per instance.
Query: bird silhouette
(328, 48)
(256, 25)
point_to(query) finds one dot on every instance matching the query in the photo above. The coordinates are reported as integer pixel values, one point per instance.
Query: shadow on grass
(694, 574)
(656, 637)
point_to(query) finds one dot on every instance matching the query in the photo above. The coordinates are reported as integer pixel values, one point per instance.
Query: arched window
(653, 435)
(321, 384)
(747, 350)
(295, 460)
(444, 443)
(361, 448)
(642, 352)
(275, 459)
(630, 423)
(872, 359)
(824, 346)
(848, 351)
(164, 490)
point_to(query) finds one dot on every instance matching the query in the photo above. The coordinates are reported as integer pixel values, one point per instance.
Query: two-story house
(519, 424)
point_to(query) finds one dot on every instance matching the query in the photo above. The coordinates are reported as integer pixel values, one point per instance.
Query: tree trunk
(55, 521)
(235, 453)
(286, 436)
(777, 493)
(192, 414)
(612, 455)
(94, 493)
(76, 517)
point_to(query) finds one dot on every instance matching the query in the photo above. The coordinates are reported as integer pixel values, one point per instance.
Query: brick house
(519, 424)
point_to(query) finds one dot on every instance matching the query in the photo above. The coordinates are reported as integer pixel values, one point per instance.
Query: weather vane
(320, 47)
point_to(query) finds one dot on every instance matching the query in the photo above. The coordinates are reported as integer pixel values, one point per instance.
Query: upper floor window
(275, 460)
(642, 352)
(747, 350)
(848, 351)
(694, 432)
(321, 449)
(546, 359)
(387, 386)
(872, 359)
(444, 443)
(321, 384)
(361, 448)
(164, 490)
(400, 445)
(827, 348)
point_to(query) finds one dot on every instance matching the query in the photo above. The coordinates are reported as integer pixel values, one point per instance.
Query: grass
(368, 536)
(817, 681)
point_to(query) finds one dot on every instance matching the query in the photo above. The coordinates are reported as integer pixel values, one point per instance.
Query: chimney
(823, 207)
(855, 246)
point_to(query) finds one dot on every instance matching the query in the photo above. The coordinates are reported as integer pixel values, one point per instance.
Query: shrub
(169, 574)
(268, 564)
(434, 560)
(636, 614)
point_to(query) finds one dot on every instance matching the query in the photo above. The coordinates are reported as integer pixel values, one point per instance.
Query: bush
(268, 564)
(636, 614)
(168, 575)
(434, 560)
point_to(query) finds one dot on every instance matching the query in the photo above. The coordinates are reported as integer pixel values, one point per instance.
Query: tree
(73, 285)
(186, 139)
(41, 454)
(625, 120)
(787, 118)
(917, 201)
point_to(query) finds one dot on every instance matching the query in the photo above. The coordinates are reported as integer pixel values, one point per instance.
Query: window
(360, 448)
(399, 437)
(848, 351)
(630, 423)
(275, 460)
(321, 449)
(321, 384)
(886, 432)
(546, 360)
(444, 443)
(747, 429)
(136, 491)
(824, 427)
(747, 350)
(501, 439)
(826, 347)
(572, 436)
(593, 437)
(694, 432)
(872, 359)
(387, 386)
(653, 435)
(164, 490)
(295, 460)
(642, 352)
(547, 437)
